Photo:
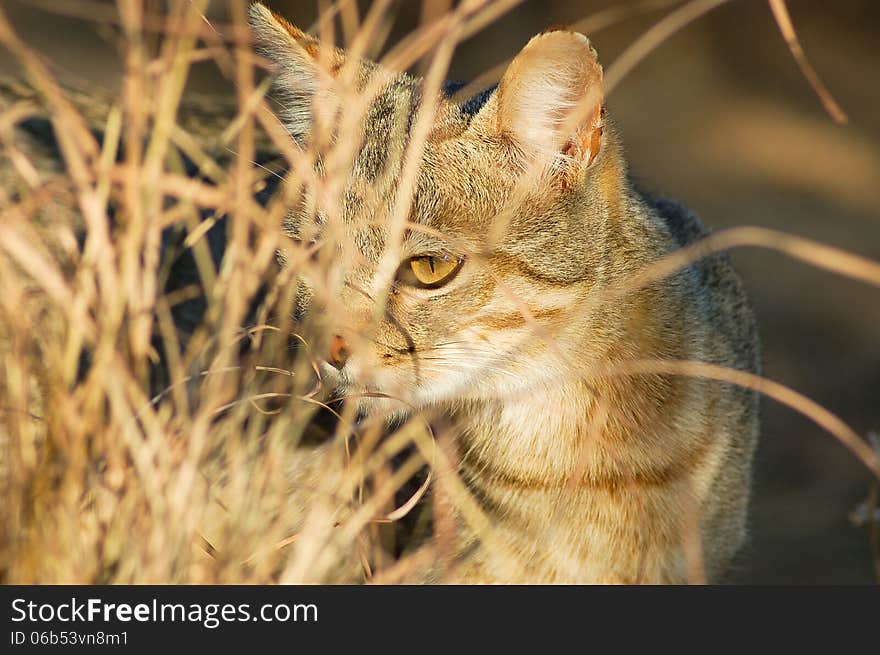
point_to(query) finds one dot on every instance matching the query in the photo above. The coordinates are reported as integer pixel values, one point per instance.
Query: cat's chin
(390, 410)
(371, 400)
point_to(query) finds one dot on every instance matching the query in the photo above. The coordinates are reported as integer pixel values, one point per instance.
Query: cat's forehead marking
(389, 123)
(387, 126)
(449, 189)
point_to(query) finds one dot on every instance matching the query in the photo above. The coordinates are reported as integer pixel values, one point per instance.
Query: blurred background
(719, 117)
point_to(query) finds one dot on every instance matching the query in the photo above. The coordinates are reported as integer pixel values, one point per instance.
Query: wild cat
(488, 314)
(494, 312)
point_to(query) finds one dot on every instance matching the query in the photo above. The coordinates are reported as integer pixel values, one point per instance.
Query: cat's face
(452, 276)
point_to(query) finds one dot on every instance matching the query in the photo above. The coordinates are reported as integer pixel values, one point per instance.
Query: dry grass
(106, 481)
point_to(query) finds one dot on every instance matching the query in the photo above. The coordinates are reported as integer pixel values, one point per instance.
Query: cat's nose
(338, 353)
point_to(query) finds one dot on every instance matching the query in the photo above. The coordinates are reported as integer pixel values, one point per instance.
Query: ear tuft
(550, 98)
(273, 32)
(304, 65)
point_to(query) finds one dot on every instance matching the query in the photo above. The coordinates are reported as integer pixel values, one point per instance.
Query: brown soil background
(720, 118)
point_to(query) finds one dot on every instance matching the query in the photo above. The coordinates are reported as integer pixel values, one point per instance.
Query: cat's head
(450, 250)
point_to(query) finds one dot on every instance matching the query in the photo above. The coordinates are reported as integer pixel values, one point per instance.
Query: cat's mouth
(372, 398)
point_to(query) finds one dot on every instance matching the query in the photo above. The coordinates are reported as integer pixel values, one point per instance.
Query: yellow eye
(429, 271)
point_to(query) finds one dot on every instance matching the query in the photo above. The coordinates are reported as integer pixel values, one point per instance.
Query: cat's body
(586, 475)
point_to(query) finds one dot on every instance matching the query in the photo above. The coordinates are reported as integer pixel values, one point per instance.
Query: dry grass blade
(783, 19)
(657, 34)
(800, 403)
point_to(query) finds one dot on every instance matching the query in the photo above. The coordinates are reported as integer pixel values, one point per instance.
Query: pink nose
(339, 352)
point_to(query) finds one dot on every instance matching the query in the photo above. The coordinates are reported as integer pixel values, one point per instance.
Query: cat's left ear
(550, 99)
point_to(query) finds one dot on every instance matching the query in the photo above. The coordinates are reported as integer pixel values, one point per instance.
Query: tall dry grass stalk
(135, 450)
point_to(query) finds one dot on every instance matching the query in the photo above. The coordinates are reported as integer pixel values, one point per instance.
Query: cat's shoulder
(719, 285)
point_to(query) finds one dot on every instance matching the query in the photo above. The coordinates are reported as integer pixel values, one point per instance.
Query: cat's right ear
(305, 68)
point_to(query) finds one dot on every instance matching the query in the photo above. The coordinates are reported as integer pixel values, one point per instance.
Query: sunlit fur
(587, 476)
